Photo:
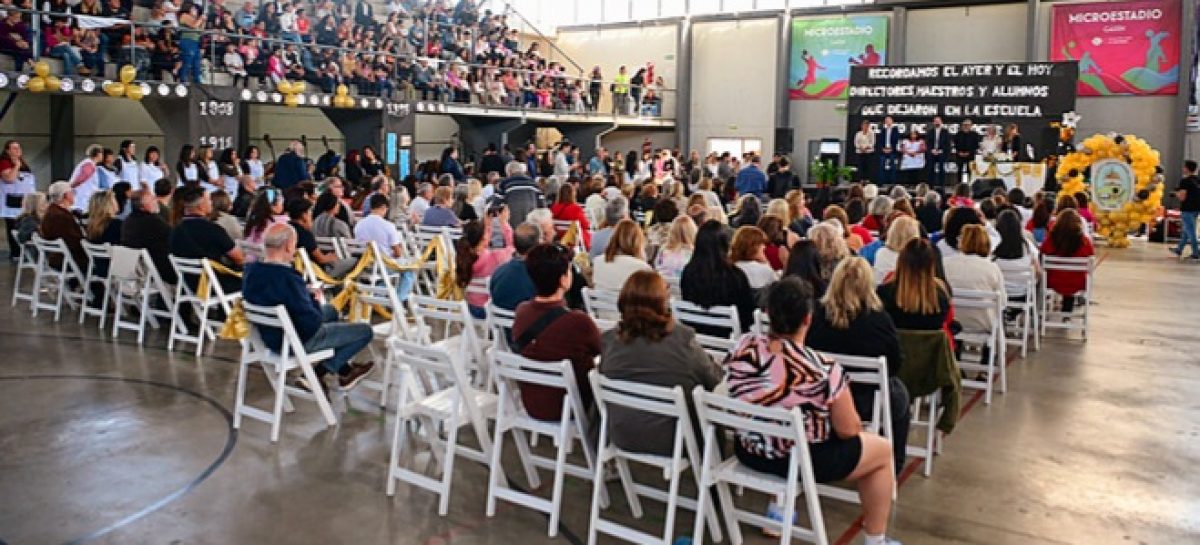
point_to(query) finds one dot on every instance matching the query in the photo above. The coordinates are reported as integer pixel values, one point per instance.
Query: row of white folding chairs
(203, 305)
(1078, 320)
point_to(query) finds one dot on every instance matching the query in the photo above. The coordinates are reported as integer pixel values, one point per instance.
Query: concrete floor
(105, 442)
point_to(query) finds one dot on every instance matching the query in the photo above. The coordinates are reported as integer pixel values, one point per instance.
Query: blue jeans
(1188, 233)
(346, 339)
(70, 58)
(189, 54)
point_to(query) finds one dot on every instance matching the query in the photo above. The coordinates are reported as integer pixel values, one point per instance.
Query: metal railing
(636, 102)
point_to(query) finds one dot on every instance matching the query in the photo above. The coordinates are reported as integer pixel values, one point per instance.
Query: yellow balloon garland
(1115, 225)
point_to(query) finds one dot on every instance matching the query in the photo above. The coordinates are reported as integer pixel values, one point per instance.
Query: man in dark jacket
(783, 180)
(291, 167)
(966, 144)
(275, 281)
(520, 192)
(145, 229)
(491, 162)
(60, 224)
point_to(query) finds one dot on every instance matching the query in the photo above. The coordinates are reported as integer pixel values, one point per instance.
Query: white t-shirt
(885, 262)
(971, 272)
(378, 230)
(256, 170)
(911, 162)
(759, 274)
(612, 275)
(25, 184)
(418, 206)
(149, 173)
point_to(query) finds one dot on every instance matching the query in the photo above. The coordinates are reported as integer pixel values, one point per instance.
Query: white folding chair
(188, 270)
(762, 322)
(383, 296)
(510, 371)
(464, 345)
(873, 372)
(28, 262)
(662, 402)
(500, 322)
(691, 314)
(993, 340)
(1056, 319)
(354, 248)
(435, 392)
(925, 413)
(481, 287)
(1020, 279)
(276, 365)
(98, 255)
(716, 347)
(331, 245)
(715, 410)
(54, 281)
(132, 284)
(601, 304)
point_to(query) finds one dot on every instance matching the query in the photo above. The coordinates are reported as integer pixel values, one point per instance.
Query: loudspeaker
(783, 140)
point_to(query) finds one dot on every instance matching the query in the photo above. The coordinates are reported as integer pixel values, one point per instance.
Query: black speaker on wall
(783, 140)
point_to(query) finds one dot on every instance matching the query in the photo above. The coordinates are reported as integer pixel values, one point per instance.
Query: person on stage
(937, 142)
(887, 144)
(912, 159)
(991, 142)
(1012, 142)
(864, 149)
(966, 144)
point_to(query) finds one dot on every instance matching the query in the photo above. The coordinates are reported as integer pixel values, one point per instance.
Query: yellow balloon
(291, 101)
(134, 92)
(115, 89)
(342, 90)
(128, 73)
(53, 84)
(42, 69)
(36, 85)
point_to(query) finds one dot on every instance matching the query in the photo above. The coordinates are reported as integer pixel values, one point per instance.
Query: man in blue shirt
(291, 168)
(511, 284)
(274, 281)
(440, 214)
(752, 180)
(597, 167)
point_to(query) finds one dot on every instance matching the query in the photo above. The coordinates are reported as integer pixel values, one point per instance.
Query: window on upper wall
(589, 12)
(672, 8)
(645, 9)
(616, 11)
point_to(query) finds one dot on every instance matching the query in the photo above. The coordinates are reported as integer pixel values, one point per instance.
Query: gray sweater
(674, 360)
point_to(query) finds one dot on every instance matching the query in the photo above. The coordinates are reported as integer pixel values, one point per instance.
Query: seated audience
(831, 247)
(566, 209)
(777, 370)
(748, 253)
(1041, 221)
(929, 213)
(779, 239)
(625, 254)
(804, 262)
(221, 214)
(439, 213)
(856, 236)
(275, 281)
(33, 209)
(972, 269)
(59, 224)
(1067, 239)
(565, 335)
(195, 237)
(299, 211)
(710, 279)
(675, 254)
(876, 218)
(266, 209)
(1016, 252)
(474, 259)
(914, 296)
(146, 229)
(850, 320)
(327, 217)
(615, 210)
(103, 227)
(376, 228)
(649, 346)
(902, 230)
(511, 285)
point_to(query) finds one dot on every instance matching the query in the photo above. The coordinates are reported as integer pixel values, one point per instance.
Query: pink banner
(1123, 48)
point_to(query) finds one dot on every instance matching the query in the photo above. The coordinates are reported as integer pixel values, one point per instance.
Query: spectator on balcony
(246, 17)
(58, 44)
(191, 22)
(235, 65)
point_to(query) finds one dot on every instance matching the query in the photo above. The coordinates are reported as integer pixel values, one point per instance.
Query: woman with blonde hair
(103, 225)
(831, 247)
(914, 296)
(624, 255)
(747, 253)
(972, 269)
(800, 218)
(856, 236)
(850, 320)
(902, 230)
(675, 254)
(716, 213)
(33, 207)
(780, 208)
(705, 189)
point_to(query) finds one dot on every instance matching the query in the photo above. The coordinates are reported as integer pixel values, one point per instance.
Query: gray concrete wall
(733, 82)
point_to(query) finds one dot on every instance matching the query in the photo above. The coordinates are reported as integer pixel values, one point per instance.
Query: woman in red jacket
(1066, 239)
(566, 209)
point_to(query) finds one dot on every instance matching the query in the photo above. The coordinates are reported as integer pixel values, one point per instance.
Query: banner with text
(1123, 48)
(823, 50)
(1029, 94)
